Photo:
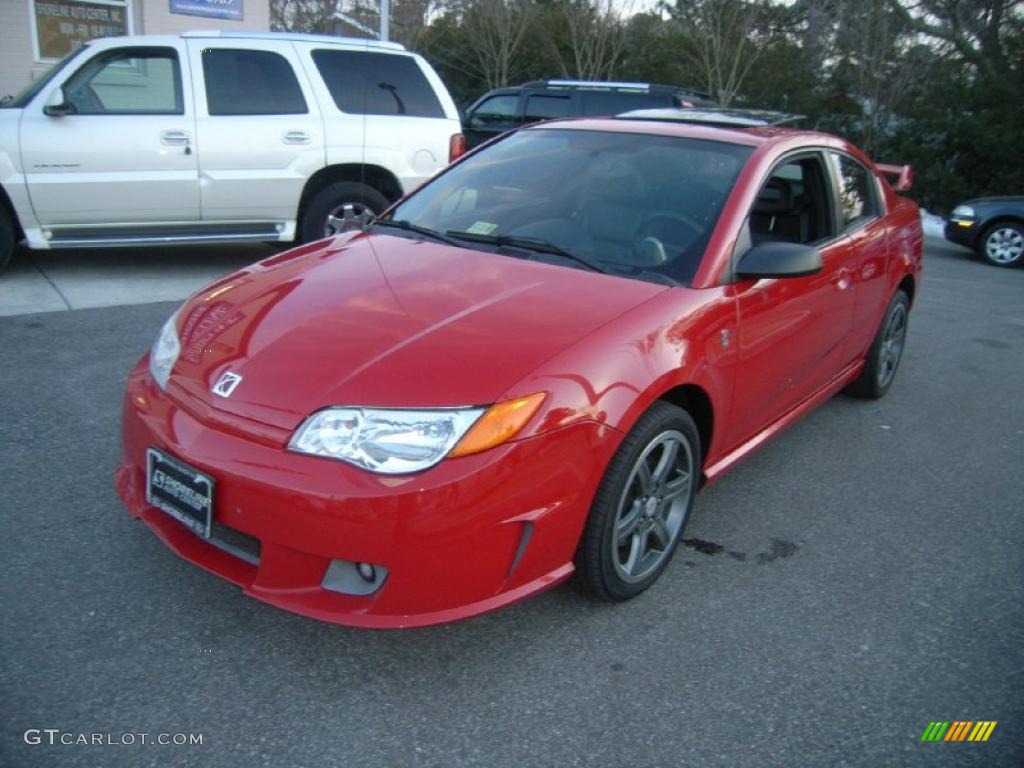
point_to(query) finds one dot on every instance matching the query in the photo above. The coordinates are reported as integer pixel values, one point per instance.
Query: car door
(491, 117)
(259, 131)
(121, 149)
(792, 331)
(860, 219)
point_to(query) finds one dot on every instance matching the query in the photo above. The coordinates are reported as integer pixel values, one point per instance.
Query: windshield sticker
(482, 228)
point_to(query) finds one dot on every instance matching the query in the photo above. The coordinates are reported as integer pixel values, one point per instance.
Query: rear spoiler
(900, 176)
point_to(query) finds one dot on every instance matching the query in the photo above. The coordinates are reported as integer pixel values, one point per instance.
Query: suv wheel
(1003, 244)
(340, 207)
(6, 239)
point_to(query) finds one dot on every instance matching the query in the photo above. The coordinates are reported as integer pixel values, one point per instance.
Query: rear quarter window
(606, 104)
(364, 83)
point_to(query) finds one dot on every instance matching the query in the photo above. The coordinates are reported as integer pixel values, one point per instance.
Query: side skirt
(714, 471)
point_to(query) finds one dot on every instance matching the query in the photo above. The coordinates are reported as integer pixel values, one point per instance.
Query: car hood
(1012, 199)
(379, 320)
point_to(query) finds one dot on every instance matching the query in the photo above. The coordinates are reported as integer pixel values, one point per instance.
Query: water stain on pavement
(994, 343)
(779, 549)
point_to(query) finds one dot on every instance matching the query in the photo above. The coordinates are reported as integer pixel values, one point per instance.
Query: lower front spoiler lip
(309, 601)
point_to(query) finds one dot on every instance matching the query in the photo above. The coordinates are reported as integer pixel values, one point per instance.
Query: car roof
(752, 136)
(359, 42)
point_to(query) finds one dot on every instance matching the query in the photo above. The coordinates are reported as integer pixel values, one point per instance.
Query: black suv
(502, 109)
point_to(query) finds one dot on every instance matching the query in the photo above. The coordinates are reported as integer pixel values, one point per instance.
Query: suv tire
(6, 239)
(340, 207)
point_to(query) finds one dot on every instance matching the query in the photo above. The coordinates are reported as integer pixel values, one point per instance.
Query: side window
(377, 84)
(128, 81)
(496, 112)
(793, 204)
(857, 196)
(244, 82)
(546, 107)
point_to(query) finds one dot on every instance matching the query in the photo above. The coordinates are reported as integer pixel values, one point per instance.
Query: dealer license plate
(183, 492)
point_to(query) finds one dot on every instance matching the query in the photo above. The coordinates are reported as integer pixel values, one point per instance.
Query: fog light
(367, 571)
(353, 578)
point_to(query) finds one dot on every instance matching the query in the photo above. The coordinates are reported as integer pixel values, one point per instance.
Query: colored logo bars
(959, 730)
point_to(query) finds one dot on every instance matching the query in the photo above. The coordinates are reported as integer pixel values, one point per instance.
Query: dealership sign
(217, 9)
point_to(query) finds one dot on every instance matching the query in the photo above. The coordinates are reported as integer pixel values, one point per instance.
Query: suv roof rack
(306, 38)
(610, 85)
(734, 118)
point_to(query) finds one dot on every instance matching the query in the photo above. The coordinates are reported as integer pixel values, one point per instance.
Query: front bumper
(962, 232)
(467, 536)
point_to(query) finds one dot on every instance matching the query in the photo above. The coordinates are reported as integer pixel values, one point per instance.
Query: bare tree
(719, 40)
(493, 32)
(872, 42)
(596, 36)
(302, 15)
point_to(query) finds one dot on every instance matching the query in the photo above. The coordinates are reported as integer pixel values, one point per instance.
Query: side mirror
(779, 259)
(57, 104)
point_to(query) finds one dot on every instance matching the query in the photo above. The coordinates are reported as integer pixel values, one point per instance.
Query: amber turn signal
(499, 423)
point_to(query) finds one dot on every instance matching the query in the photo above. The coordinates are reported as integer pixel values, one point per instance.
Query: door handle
(843, 279)
(296, 137)
(176, 138)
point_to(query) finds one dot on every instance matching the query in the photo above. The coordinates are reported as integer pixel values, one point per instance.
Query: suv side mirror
(780, 259)
(57, 104)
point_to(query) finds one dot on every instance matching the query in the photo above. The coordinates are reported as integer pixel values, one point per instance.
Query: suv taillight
(456, 147)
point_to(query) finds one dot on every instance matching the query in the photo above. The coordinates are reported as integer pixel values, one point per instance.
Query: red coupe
(524, 370)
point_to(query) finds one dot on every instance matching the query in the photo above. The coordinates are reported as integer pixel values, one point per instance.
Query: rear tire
(1002, 245)
(6, 239)
(641, 507)
(886, 351)
(340, 207)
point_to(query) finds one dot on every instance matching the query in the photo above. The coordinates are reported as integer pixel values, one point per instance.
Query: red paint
(377, 320)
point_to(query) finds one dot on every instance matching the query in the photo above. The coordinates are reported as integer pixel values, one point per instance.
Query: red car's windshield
(632, 204)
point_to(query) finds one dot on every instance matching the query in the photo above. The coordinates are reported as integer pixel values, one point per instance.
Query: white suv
(217, 137)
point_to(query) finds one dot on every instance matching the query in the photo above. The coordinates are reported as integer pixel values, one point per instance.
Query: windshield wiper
(408, 226)
(529, 243)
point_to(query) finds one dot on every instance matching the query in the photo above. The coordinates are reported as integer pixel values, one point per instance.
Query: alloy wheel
(346, 217)
(892, 345)
(1004, 245)
(652, 508)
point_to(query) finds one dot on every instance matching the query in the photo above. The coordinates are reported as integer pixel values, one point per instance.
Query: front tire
(6, 239)
(641, 507)
(886, 351)
(340, 207)
(1002, 245)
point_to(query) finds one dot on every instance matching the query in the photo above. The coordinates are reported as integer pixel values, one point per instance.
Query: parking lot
(857, 578)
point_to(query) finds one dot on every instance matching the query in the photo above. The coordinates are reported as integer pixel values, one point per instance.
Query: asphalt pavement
(856, 579)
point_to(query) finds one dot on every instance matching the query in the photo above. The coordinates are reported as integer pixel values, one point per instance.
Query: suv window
(546, 107)
(377, 84)
(246, 82)
(495, 112)
(857, 200)
(607, 103)
(128, 81)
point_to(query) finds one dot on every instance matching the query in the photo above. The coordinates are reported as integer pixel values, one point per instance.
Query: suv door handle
(176, 138)
(296, 137)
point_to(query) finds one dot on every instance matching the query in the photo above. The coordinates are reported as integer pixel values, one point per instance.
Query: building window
(59, 26)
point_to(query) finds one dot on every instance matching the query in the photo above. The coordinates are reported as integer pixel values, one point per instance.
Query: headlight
(963, 212)
(397, 441)
(391, 442)
(165, 351)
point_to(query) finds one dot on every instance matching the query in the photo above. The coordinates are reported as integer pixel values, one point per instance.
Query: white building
(36, 33)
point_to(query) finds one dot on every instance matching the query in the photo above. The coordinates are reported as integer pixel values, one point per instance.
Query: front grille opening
(234, 542)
